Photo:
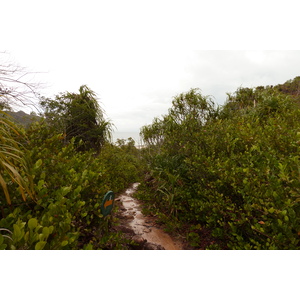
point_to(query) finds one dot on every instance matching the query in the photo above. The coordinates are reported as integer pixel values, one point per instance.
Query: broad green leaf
(38, 163)
(64, 243)
(17, 232)
(81, 203)
(41, 183)
(38, 227)
(40, 245)
(1, 239)
(84, 173)
(51, 228)
(46, 232)
(32, 223)
(65, 190)
(77, 191)
(88, 247)
(271, 210)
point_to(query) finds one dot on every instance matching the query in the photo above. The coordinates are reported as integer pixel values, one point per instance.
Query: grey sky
(134, 55)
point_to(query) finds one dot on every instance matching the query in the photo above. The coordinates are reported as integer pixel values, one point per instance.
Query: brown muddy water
(144, 227)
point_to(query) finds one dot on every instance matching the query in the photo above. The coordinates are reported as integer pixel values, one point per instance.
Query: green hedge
(235, 174)
(69, 187)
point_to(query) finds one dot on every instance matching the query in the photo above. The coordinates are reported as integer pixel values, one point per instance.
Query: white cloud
(135, 56)
(256, 57)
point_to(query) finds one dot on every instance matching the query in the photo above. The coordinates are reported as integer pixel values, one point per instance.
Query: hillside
(23, 118)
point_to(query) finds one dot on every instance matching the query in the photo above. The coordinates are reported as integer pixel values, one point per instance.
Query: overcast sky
(135, 54)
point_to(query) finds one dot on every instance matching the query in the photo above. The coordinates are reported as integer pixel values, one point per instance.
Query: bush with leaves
(69, 187)
(234, 175)
(78, 116)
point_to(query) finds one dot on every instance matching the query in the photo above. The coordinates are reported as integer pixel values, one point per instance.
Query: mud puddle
(144, 228)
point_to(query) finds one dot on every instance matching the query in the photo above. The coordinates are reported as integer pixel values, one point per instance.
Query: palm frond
(12, 160)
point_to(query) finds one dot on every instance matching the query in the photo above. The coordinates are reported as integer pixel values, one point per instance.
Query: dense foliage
(229, 176)
(69, 179)
(79, 116)
(226, 177)
(12, 160)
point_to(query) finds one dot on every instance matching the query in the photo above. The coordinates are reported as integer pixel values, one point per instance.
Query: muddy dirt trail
(144, 231)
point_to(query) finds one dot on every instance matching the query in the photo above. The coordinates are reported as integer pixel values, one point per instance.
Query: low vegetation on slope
(229, 176)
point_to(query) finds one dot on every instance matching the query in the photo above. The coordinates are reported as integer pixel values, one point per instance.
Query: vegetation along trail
(219, 177)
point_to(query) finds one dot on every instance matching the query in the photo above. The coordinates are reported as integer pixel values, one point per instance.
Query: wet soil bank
(143, 230)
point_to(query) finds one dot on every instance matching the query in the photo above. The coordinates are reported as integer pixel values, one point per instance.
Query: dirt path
(143, 230)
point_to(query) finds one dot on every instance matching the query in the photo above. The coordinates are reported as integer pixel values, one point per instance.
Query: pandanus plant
(12, 161)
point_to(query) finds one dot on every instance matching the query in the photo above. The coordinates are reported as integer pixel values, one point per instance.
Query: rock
(127, 217)
(151, 246)
(159, 247)
(147, 230)
(139, 241)
(125, 229)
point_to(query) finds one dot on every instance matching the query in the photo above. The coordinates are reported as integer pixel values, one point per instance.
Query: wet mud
(144, 231)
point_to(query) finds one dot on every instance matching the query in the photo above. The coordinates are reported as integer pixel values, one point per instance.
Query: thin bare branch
(16, 88)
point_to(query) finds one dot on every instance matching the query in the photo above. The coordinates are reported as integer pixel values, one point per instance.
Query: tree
(80, 117)
(243, 98)
(192, 106)
(189, 112)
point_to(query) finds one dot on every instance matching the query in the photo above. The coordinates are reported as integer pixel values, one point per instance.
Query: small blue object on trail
(107, 203)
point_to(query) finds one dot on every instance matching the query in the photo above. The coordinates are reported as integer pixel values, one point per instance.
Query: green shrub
(69, 187)
(236, 174)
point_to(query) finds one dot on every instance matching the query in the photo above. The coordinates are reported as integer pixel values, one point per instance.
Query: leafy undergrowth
(69, 186)
(227, 178)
